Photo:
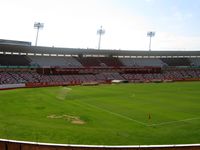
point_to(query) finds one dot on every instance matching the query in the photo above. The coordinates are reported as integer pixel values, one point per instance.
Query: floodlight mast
(100, 32)
(150, 34)
(38, 26)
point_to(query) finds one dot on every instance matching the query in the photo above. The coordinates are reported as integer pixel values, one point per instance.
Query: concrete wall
(11, 86)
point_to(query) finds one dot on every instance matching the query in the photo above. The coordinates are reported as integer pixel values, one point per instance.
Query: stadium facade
(33, 66)
(46, 66)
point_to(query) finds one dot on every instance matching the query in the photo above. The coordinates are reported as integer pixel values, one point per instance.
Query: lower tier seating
(12, 77)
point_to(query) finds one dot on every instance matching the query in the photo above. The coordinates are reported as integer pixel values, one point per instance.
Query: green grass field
(125, 114)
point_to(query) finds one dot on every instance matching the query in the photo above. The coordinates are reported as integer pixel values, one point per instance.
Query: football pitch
(122, 114)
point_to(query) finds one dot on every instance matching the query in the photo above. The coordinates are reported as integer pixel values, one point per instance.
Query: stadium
(98, 99)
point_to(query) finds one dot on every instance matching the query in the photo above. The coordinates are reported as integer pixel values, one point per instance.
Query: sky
(74, 23)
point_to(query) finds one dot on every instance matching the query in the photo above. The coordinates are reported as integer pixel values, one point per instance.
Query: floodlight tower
(100, 32)
(38, 26)
(150, 34)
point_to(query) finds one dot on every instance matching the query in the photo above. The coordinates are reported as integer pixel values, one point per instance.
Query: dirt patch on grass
(69, 118)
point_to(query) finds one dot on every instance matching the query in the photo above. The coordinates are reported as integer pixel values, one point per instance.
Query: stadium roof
(73, 51)
(14, 42)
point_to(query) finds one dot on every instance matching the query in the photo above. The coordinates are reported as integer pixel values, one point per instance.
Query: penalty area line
(116, 114)
(172, 122)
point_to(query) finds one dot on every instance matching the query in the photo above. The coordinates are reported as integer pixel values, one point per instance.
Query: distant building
(13, 42)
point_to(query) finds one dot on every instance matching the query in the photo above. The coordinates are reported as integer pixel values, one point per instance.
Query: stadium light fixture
(101, 31)
(38, 26)
(150, 34)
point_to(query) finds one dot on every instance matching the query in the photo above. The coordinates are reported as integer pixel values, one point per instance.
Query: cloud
(171, 41)
(149, 1)
(181, 16)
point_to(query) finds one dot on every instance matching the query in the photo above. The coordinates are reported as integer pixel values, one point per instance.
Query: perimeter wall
(17, 145)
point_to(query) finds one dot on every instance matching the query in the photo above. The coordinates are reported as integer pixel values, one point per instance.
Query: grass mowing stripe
(116, 114)
(172, 122)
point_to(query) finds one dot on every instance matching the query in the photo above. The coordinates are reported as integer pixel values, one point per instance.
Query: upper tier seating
(176, 61)
(100, 62)
(14, 60)
(89, 61)
(195, 61)
(53, 61)
(71, 62)
(135, 62)
(110, 61)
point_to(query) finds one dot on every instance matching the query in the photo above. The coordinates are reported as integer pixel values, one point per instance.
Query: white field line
(67, 88)
(116, 114)
(63, 92)
(172, 122)
(136, 121)
(145, 124)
